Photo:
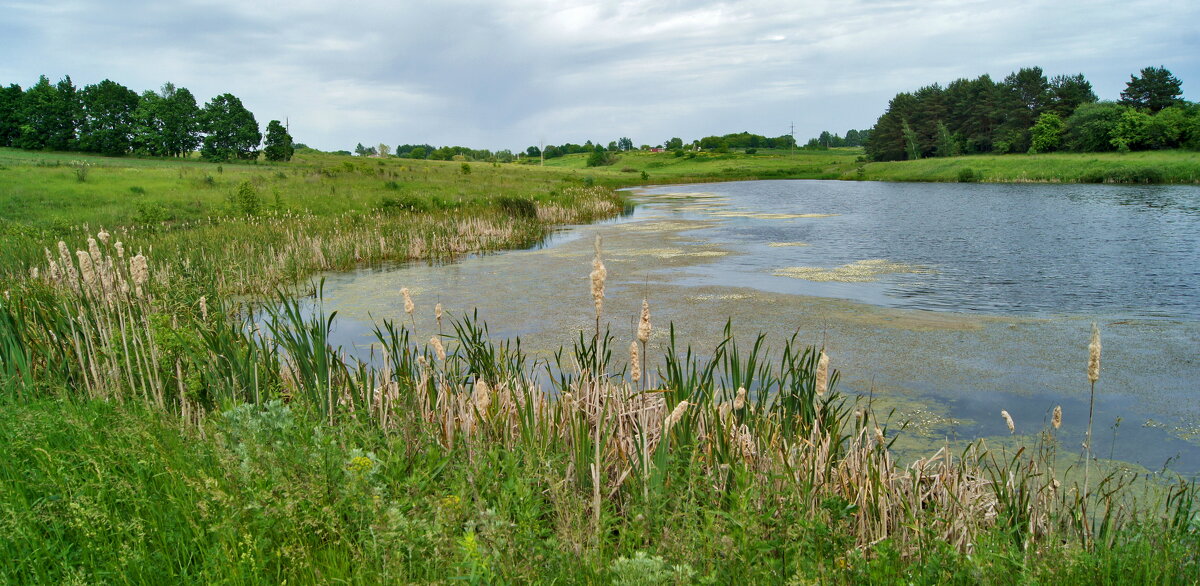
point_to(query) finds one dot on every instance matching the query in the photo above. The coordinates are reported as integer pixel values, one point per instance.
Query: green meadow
(152, 430)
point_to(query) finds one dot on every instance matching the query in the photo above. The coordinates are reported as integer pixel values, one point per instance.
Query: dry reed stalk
(1093, 372)
(1008, 420)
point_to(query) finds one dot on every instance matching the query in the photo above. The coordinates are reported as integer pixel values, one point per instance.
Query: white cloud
(506, 73)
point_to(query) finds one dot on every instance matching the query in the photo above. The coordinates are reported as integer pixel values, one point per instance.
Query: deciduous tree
(230, 131)
(278, 145)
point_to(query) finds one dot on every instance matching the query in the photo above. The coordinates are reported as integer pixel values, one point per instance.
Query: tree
(38, 105)
(67, 115)
(1068, 92)
(278, 145)
(1046, 135)
(147, 125)
(1132, 131)
(674, 144)
(1154, 90)
(947, 146)
(230, 130)
(10, 114)
(625, 143)
(1089, 128)
(383, 150)
(912, 146)
(419, 153)
(108, 127)
(180, 121)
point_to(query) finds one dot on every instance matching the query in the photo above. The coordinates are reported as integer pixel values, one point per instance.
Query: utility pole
(792, 133)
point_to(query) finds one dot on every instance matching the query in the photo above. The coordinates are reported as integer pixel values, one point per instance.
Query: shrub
(245, 200)
(137, 190)
(517, 206)
(391, 185)
(402, 203)
(678, 153)
(751, 151)
(628, 170)
(969, 175)
(466, 169)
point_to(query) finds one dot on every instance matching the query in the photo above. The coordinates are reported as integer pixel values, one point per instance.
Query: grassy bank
(847, 164)
(151, 432)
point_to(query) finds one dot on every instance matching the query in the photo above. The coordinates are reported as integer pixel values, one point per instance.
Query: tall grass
(739, 435)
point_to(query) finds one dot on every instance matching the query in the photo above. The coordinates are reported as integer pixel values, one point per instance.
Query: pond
(944, 302)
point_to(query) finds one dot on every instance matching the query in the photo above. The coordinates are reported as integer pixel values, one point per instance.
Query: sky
(507, 74)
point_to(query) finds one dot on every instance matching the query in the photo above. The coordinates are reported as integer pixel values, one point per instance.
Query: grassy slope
(1171, 166)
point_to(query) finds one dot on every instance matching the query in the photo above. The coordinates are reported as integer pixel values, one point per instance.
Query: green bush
(517, 206)
(402, 203)
(751, 151)
(969, 175)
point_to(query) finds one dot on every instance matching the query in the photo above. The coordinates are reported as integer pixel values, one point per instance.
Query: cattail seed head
(408, 302)
(103, 236)
(94, 250)
(120, 246)
(676, 415)
(438, 348)
(482, 396)
(635, 367)
(878, 435)
(1056, 419)
(437, 312)
(822, 374)
(1008, 421)
(740, 400)
(643, 331)
(87, 271)
(33, 272)
(203, 308)
(1094, 356)
(139, 270)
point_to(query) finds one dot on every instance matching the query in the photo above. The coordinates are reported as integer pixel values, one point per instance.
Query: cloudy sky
(512, 73)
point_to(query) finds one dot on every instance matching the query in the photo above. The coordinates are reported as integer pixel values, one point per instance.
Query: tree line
(110, 119)
(1027, 112)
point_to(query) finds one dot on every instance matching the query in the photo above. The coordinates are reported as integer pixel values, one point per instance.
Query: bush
(137, 190)
(401, 204)
(518, 207)
(678, 153)
(245, 200)
(391, 185)
(751, 151)
(969, 175)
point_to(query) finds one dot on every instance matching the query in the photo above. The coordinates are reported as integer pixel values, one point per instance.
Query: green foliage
(518, 207)
(912, 146)
(1154, 90)
(1090, 127)
(1047, 134)
(245, 201)
(465, 168)
(231, 133)
(404, 203)
(108, 126)
(969, 175)
(278, 145)
(600, 158)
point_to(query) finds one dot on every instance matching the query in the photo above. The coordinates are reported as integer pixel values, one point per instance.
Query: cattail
(482, 396)
(740, 400)
(437, 313)
(878, 435)
(203, 308)
(675, 415)
(33, 272)
(103, 236)
(408, 302)
(438, 348)
(643, 331)
(1056, 419)
(822, 374)
(635, 367)
(423, 362)
(94, 250)
(1094, 356)
(120, 246)
(139, 270)
(1008, 421)
(86, 270)
(599, 275)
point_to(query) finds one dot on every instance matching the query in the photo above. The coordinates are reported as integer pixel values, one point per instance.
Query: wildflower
(360, 464)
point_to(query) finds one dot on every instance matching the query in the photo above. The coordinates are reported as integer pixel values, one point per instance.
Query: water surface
(975, 298)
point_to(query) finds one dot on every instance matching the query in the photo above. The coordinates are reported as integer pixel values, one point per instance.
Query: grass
(151, 432)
